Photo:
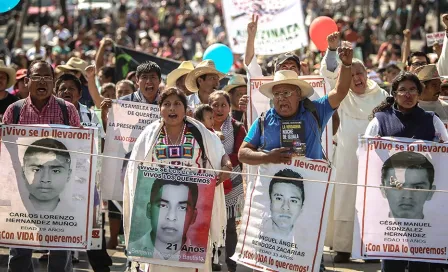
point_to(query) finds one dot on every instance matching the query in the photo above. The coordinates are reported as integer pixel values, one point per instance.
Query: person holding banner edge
(41, 107)
(400, 116)
(172, 131)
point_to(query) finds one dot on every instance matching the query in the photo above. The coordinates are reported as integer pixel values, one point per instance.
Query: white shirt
(442, 64)
(374, 127)
(193, 101)
(31, 53)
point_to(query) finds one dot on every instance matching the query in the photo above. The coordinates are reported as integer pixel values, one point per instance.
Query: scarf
(360, 106)
(234, 199)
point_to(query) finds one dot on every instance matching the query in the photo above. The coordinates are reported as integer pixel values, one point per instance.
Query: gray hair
(360, 62)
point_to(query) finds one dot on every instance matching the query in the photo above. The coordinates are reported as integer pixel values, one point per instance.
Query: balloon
(7, 5)
(221, 55)
(320, 28)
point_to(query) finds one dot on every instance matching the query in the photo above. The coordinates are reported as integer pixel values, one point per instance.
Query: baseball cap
(20, 74)
(284, 57)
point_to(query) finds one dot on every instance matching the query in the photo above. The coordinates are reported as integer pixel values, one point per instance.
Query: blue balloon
(7, 5)
(221, 55)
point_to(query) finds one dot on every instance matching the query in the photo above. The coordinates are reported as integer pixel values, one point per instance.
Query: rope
(231, 172)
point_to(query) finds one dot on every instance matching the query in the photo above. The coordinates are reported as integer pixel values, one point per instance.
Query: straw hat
(73, 64)
(10, 72)
(428, 72)
(286, 77)
(184, 68)
(235, 82)
(204, 68)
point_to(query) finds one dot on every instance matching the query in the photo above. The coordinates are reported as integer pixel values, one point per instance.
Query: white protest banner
(281, 25)
(260, 103)
(126, 121)
(398, 223)
(47, 196)
(433, 38)
(171, 216)
(285, 220)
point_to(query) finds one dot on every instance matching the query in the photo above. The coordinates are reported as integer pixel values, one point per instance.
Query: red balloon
(320, 28)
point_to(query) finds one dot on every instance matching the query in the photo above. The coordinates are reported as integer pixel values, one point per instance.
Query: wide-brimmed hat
(184, 68)
(235, 82)
(10, 72)
(428, 72)
(286, 77)
(74, 64)
(204, 68)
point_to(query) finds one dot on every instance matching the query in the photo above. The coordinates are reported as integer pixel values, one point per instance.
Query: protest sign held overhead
(285, 217)
(171, 216)
(281, 25)
(401, 223)
(125, 123)
(47, 196)
(433, 38)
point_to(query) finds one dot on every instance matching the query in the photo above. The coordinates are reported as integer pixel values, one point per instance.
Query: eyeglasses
(282, 94)
(403, 92)
(418, 64)
(40, 78)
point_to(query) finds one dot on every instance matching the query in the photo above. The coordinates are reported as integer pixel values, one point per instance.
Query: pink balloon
(320, 28)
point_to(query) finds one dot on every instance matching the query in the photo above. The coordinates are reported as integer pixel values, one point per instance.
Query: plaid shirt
(50, 114)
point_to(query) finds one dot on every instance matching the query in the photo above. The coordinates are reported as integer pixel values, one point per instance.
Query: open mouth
(359, 84)
(172, 116)
(219, 114)
(67, 97)
(41, 90)
(149, 88)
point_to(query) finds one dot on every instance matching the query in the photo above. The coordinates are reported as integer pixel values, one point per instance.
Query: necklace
(178, 138)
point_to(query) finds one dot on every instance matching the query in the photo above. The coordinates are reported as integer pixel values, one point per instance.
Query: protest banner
(260, 103)
(128, 59)
(126, 121)
(47, 196)
(171, 216)
(397, 223)
(433, 38)
(280, 27)
(284, 220)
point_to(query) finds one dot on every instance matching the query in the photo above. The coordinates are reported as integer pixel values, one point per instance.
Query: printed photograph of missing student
(286, 203)
(407, 170)
(46, 174)
(171, 210)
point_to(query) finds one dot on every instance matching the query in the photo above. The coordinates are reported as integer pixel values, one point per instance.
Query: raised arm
(250, 45)
(338, 94)
(406, 45)
(442, 64)
(99, 58)
(91, 85)
(329, 64)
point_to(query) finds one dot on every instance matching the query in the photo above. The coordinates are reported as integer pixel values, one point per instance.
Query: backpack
(198, 137)
(18, 105)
